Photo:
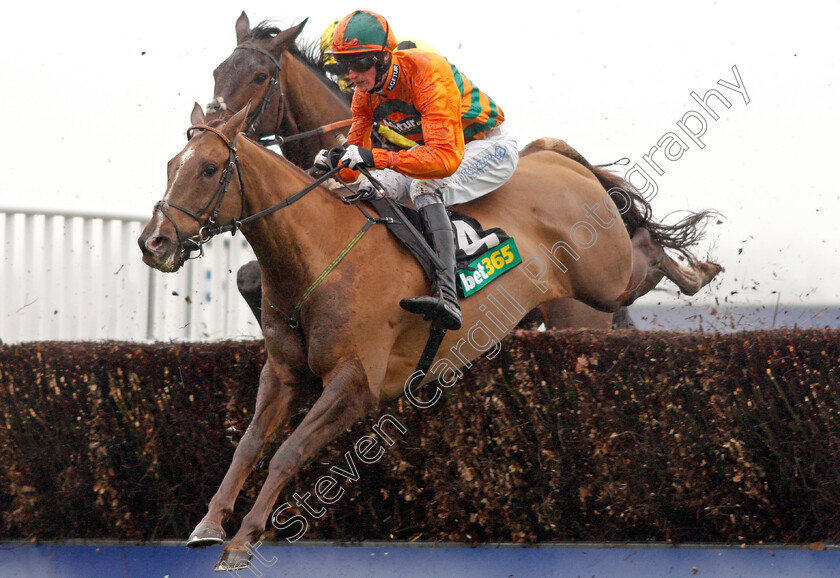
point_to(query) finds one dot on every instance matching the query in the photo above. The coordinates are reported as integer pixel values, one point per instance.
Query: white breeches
(487, 165)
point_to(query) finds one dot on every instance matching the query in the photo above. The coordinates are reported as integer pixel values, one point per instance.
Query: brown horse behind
(351, 339)
(306, 100)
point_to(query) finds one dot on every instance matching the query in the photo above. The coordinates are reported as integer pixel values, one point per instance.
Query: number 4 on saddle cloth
(481, 255)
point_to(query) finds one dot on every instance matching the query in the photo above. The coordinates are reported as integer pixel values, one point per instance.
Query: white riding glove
(358, 157)
(322, 161)
(327, 160)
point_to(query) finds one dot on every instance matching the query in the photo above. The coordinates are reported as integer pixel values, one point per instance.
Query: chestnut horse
(305, 99)
(345, 333)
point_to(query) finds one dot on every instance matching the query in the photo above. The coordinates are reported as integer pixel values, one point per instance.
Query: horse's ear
(285, 38)
(197, 115)
(243, 28)
(234, 126)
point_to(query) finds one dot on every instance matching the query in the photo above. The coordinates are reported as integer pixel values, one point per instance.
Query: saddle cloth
(471, 239)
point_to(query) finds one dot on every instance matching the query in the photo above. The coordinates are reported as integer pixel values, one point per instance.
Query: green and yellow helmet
(361, 32)
(326, 42)
(327, 59)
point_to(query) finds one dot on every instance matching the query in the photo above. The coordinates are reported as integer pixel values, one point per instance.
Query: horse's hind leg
(692, 278)
(558, 314)
(532, 320)
(651, 264)
(346, 399)
(622, 319)
(275, 399)
(568, 313)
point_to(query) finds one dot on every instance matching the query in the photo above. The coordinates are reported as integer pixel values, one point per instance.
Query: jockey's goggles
(355, 62)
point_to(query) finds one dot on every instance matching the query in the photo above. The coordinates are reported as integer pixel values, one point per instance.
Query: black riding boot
(443, 303)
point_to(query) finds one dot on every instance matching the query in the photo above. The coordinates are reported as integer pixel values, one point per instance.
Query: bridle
(213, 206)
(209, 229)
(207, 215)
(274, 84)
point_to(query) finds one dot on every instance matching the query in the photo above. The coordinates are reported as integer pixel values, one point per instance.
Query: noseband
(207, 228)
(219, 103)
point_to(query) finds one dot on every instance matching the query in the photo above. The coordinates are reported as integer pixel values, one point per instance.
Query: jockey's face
(363, 81)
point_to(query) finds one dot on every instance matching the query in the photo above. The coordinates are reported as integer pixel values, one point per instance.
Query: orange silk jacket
(429, 101)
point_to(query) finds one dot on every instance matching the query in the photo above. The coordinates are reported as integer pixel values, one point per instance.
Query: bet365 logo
(488, 267)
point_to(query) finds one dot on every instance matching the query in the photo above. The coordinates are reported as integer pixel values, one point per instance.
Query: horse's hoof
(233, 560)
(206, 534)
(709, 271)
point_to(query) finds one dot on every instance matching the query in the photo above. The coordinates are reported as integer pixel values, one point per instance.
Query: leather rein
(208, 228)
(206, 216)
(274, 84)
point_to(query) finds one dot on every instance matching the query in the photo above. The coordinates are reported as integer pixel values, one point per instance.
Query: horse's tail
(636, 213)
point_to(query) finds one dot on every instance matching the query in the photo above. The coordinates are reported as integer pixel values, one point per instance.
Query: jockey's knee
(396, 185)
(424, 193)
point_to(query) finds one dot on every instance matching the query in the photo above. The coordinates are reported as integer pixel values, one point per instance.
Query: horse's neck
(310, 103)
(296, 243)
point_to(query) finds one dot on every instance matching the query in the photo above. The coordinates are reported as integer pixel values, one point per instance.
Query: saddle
(471, 239)
(472, 244)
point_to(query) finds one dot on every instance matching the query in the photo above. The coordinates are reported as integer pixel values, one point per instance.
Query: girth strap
(295, 316)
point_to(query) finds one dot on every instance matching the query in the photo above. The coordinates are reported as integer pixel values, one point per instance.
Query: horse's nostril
(216, 105)
(159, 243)
(155, 245)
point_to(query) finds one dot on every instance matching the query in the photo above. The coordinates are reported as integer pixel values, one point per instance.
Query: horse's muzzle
(160, 252)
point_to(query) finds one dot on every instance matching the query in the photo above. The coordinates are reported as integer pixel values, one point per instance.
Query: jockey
(464, 149)
(327, 60)
(330, 65)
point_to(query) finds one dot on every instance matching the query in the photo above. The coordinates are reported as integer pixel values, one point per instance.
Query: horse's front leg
(346, 399)
(249, 283)
(278, 393)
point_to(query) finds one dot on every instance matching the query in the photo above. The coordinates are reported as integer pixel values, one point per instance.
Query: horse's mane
(307, 52)
(310, 54)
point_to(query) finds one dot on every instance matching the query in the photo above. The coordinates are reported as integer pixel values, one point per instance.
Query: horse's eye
(210, 170)
(260, 77)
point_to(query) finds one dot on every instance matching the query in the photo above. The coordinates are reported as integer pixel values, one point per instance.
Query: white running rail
(80, 277)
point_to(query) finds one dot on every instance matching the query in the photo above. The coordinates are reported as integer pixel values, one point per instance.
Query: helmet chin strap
(382, 66)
